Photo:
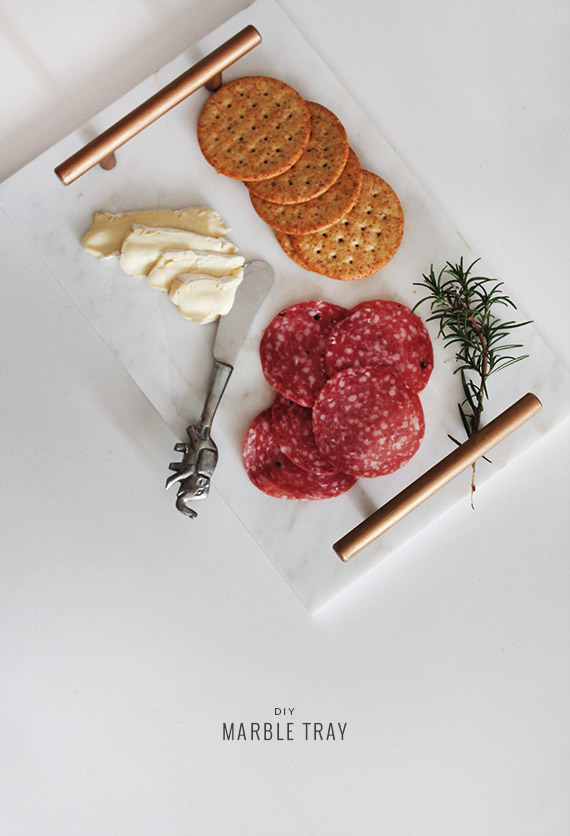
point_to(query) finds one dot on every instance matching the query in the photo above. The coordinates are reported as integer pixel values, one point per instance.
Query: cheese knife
(199, 454)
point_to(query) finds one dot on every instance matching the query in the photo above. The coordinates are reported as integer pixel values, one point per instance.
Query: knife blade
(233, 327)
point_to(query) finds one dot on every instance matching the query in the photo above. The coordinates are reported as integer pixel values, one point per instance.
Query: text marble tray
(169, 358)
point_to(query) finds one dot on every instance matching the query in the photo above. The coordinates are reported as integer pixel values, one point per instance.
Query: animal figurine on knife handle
(200, 455)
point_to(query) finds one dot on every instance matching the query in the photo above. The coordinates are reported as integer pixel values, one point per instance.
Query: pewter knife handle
(196, 469)
(218, 382)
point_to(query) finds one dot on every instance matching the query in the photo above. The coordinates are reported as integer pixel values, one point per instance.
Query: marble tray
(169, 358)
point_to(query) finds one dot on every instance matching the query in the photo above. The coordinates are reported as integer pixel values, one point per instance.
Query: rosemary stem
(464, 306)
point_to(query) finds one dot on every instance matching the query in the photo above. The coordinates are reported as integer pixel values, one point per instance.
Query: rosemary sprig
(465, 306)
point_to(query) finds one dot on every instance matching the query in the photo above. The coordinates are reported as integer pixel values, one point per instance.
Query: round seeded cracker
(284, 242)
(320, 165)
(254, 128)
(360, 243)
(318, 213)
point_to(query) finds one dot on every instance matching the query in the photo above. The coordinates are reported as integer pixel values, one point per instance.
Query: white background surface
(129, 634)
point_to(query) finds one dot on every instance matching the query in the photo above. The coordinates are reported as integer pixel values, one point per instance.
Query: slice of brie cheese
(171, 264)
(108, 230)
(202, 298)
(143, 246)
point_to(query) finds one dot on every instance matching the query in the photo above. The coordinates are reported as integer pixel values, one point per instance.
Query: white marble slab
(169, 358)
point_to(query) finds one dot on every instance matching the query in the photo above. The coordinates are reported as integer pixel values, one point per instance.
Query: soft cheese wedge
(202, 298)
(144, 245)
(172, 264)
(108, 230)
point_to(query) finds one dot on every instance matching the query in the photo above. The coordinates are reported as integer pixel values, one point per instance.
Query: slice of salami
(274, 474)
(293, 347)
(293, 429)
(367, 422)
(382, 333)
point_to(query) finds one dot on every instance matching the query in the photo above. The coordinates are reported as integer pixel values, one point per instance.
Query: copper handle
(439, 475)
(206, 72)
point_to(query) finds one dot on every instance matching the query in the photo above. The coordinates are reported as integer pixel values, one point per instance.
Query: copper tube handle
(439, 475)
(206, 72)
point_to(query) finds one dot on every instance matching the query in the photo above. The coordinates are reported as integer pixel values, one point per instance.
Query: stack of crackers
(304, 180)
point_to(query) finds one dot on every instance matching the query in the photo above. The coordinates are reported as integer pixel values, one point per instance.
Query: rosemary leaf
(466, 308)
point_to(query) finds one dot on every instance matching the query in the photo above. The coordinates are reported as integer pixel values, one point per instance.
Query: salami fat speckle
(293, 429)
(367, 422)
(274, 474)
(378, 333)
(293, 346)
